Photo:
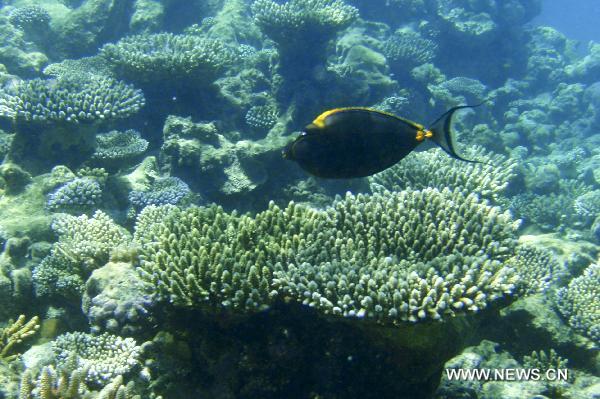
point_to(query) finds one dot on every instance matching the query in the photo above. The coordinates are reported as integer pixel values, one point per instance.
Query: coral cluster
(295, 18)
(103, 357)
(578, 302)
(165, 57)
(78, 194)
(537, 267)
(84, 244)
(116, 146)
(29, 17)
(14, 334)
(406, 49)
(434, 168)
(162, 191)
(350, 259)
(261, 117)
(67, 100)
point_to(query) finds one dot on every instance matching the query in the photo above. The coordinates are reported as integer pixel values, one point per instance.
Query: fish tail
(443, 134)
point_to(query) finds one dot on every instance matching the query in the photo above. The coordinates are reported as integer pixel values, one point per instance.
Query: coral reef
(406, 49)
(79, 194)
(165, 58)
(15, 333)
(302, 29)
(434, 168)
(161, 191)
(118, 148)
(334, 260)
(69, 100)
(578, 302)
(117, 301)
(102, 357)
(537, 267)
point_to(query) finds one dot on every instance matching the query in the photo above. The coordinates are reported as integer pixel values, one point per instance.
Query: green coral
(380, 257)
(434, 168)
(163, 58)
(578, 302)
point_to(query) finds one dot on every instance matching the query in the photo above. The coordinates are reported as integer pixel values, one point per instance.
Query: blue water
(578, 19)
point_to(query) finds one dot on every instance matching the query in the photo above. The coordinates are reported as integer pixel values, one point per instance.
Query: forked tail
(443, 135)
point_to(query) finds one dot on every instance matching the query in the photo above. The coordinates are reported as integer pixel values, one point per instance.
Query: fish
(354, 142)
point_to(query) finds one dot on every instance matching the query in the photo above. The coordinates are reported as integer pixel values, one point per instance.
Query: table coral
(379, 256)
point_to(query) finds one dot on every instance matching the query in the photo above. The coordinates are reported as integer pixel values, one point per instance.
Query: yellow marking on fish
(320, 120)
(422, 134)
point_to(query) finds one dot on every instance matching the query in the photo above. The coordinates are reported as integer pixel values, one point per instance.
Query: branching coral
(69, 100)
(302, 28)
(261, 117)
(69, 384)
(434, 168)
(58, 275)
(15, 334)
(538, 269)
(380, 257)
(406, 49)
(29, 17)
(103, 357)
(79, 194)
(296, 18)
(162, 191)
(167, 58)
(578, 302)
(116, 146)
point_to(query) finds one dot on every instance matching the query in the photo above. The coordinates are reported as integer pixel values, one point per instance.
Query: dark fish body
(359, 142)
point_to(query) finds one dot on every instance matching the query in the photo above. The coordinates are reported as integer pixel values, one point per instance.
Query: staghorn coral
(578, 302)
(537, 267)
(544, 361)
(83, 193)
(117, 147)
(379, 256)
(15, 333)
(103, 357)
(434, 168)
(66, 383)
(165, 58)
(69, 100)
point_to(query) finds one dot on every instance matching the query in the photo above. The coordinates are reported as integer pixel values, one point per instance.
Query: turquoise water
(299, 199)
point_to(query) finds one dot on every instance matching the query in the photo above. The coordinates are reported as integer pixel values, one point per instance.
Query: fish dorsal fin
(320, 120)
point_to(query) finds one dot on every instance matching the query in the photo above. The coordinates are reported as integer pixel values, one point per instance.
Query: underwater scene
(303, 199)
